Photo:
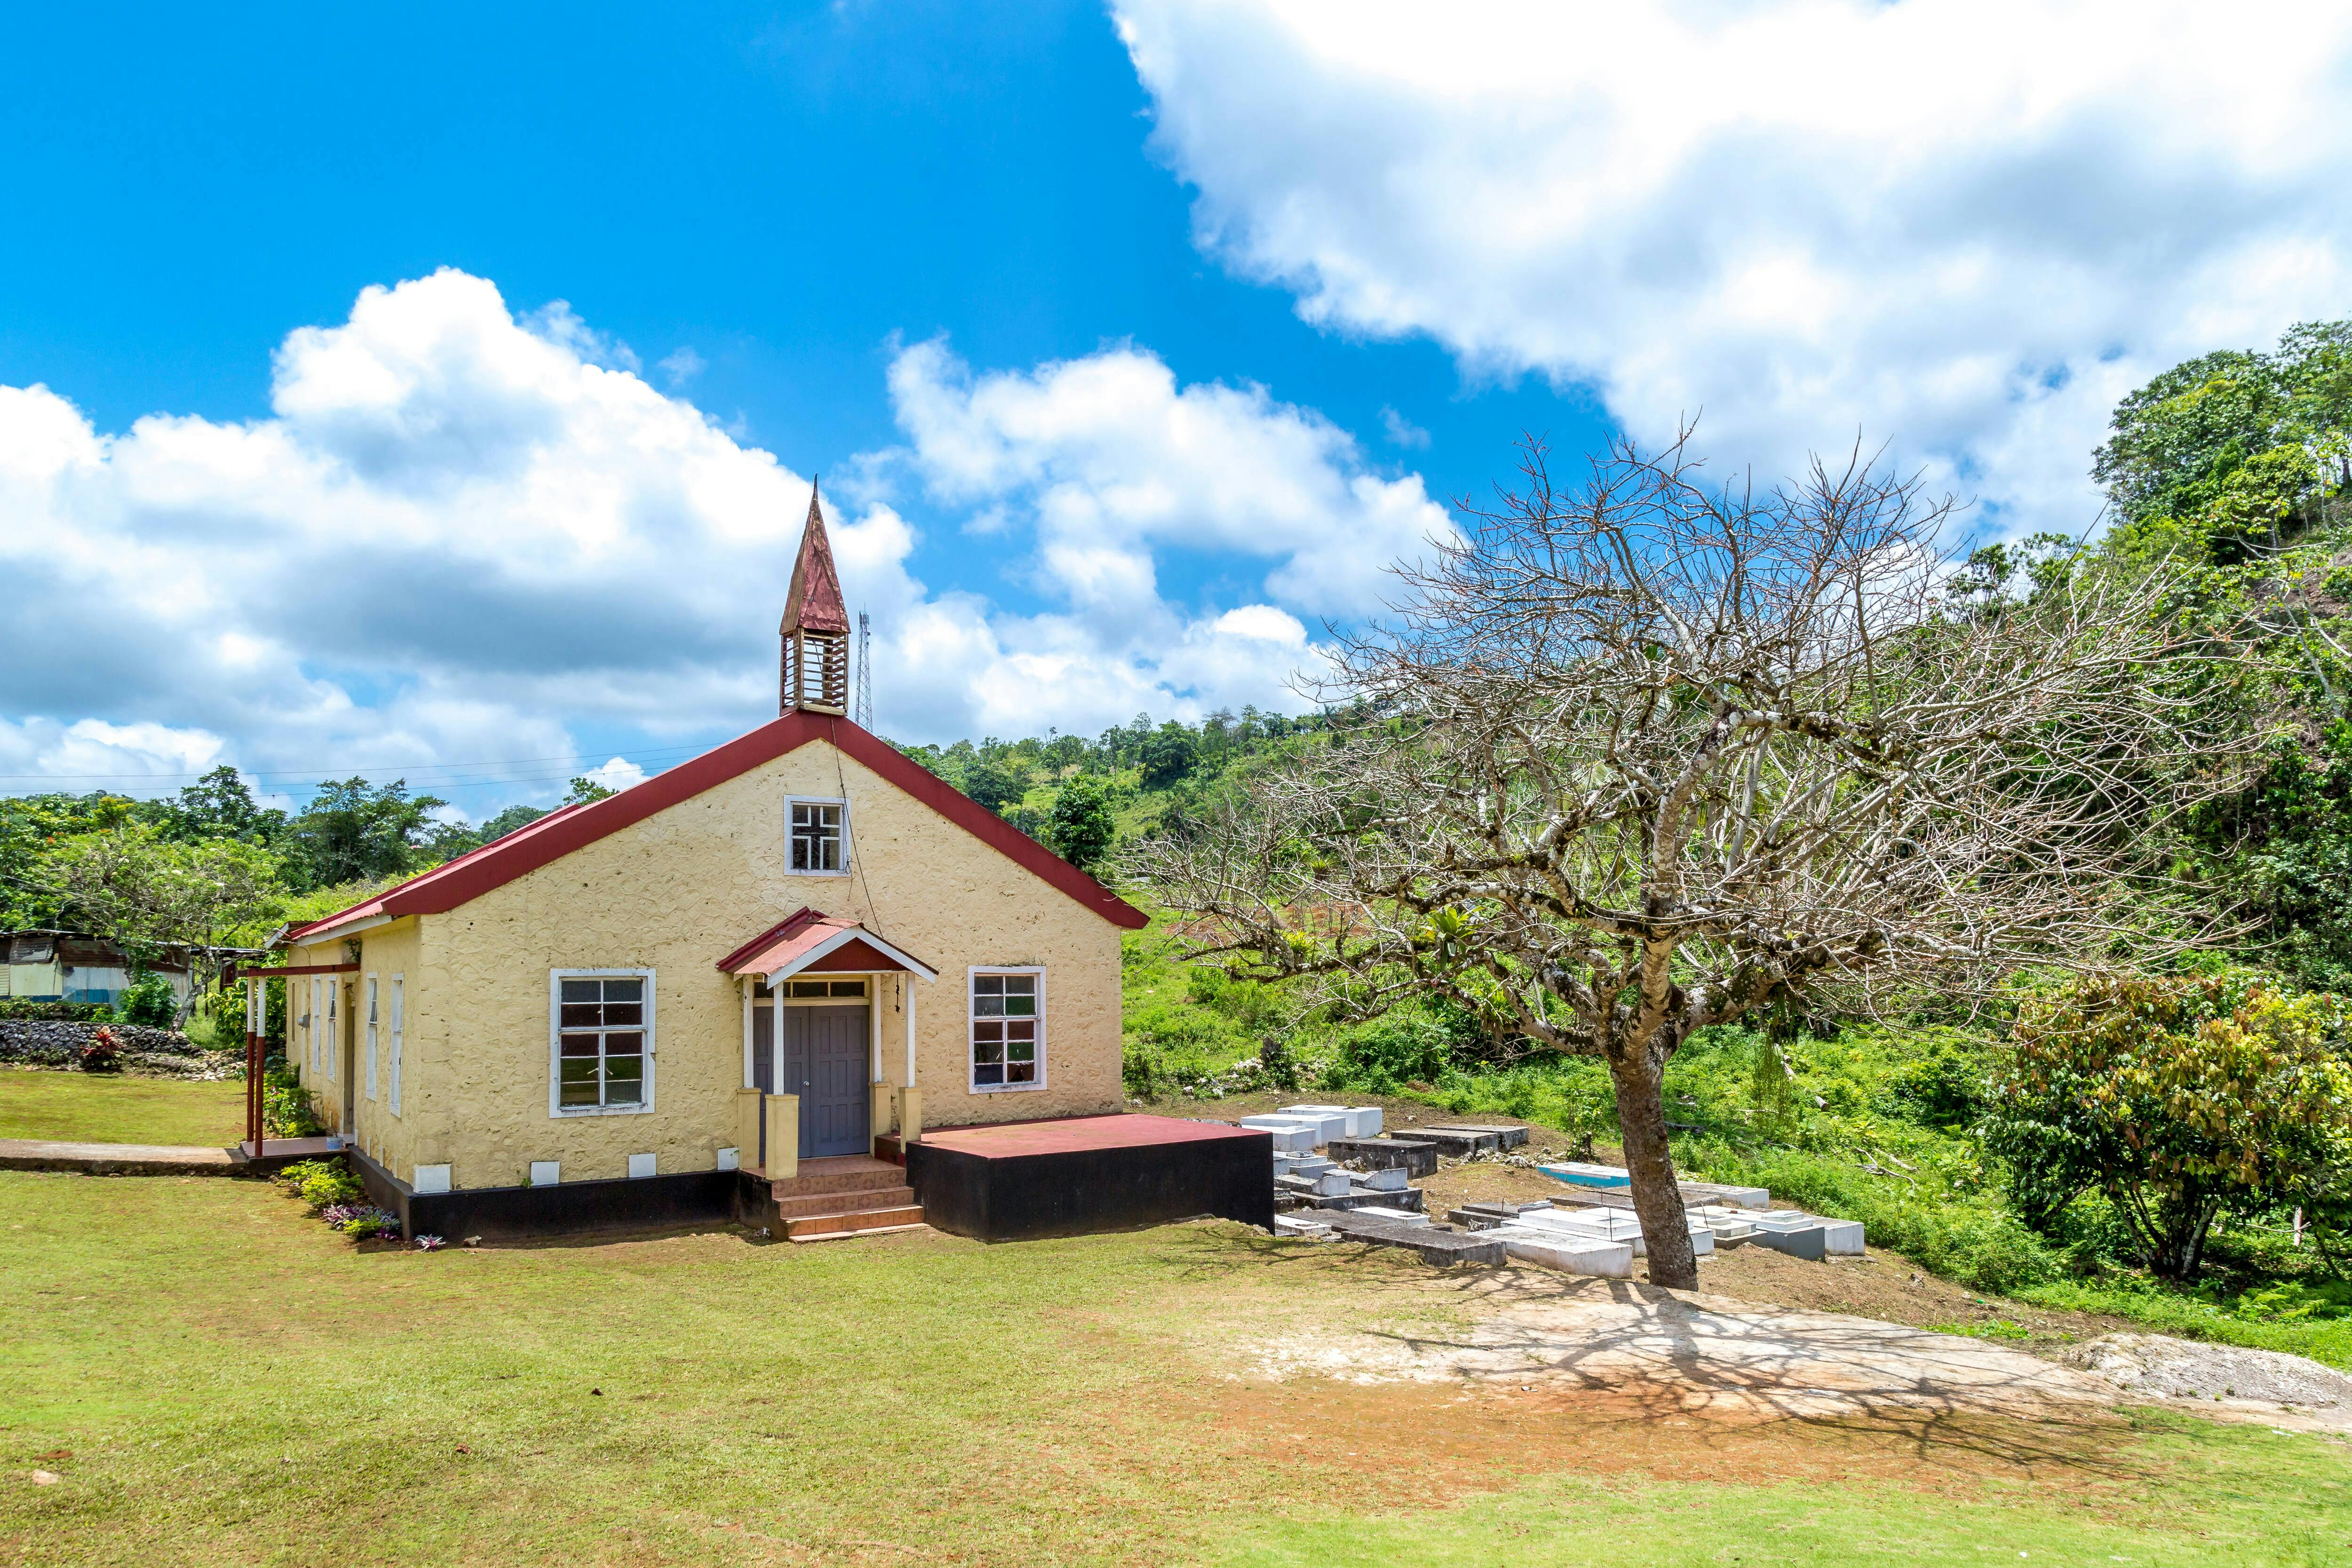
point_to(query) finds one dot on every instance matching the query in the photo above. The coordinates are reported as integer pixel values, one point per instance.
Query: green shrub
(287, 1111)
(147, 1000)
(322, 1183)
(54, 1012)
(1976, 1243)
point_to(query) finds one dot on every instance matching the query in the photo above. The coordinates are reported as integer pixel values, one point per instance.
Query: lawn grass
(111, 1108)
(216, 1378)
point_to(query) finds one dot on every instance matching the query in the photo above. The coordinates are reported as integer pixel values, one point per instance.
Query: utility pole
(864, 716)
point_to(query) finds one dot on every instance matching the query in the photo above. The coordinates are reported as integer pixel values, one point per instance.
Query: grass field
(215, 1378)
(108, 1108)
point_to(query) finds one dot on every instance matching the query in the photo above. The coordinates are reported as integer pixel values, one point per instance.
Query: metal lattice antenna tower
(864, 716)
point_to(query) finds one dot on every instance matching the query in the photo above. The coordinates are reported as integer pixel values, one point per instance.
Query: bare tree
(1651, 755)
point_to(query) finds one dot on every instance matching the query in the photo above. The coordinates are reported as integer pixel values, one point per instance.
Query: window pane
(1022, 1028)
(802, 815)
(988, 985)
(848, 987)
(624, 1081)
(626, 1015)
(1021, 1007)
(808, 988)
(1021, 1051)
(577, 1015)
(1021, 1072)
(1020, 984)
(984, 1073)
(988, 1007)
(579, 1082)
(993, 1032)
(580, 1045)
(582, 992)
(624, 990)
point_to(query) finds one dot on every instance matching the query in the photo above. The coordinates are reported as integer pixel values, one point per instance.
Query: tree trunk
(1657, 1201)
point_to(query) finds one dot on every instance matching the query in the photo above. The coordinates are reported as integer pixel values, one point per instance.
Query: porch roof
(807, 940)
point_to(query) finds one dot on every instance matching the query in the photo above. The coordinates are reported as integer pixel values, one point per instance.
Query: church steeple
(816, 628)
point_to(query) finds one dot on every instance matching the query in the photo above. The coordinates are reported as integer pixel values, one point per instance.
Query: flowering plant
(430, 1244)
(102, 1053)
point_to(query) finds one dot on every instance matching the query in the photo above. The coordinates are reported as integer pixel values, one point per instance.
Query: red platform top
(1074, 1135)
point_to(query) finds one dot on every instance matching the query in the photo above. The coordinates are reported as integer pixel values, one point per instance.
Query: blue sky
(1131, 341)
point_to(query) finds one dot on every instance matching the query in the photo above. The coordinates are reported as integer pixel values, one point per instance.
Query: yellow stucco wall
(675, 894)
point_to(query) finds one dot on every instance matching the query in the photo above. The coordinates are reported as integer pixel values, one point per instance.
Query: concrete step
(839, 1173)
(854, 1202)
(808, 1227)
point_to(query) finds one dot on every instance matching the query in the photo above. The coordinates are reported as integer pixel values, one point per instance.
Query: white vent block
(641, 1165)
(430, 1178)
(730, 1159)
(546, 1173)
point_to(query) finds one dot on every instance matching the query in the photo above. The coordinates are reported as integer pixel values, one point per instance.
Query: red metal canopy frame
(255, 1016)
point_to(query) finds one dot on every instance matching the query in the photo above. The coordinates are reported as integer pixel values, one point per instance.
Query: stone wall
(38, 1043)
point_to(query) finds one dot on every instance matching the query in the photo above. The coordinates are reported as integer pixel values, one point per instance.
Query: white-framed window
(1008, 1029)
(373, 1027)
(816, 836)
(310, 1027)
(330, 1044)
(399, 984)
(600, 1041)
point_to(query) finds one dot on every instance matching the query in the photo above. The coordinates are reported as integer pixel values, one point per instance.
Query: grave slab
(1410, 1155)
(1507, 1135)
(1549, 1250)
(1437, 1247)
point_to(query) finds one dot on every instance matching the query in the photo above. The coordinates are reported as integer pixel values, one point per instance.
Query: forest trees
(148, 893)
(1647, 756)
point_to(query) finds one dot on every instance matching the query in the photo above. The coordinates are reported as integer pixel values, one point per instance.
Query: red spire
(814, 603)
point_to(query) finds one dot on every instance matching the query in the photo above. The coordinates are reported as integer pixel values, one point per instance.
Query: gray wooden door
(825, 1056)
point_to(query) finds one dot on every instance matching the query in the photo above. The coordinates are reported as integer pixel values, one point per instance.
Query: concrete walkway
(115, 1159)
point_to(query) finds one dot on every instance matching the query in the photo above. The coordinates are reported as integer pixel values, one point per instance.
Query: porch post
(878, 1100)
(743, 984)
(254, 1013)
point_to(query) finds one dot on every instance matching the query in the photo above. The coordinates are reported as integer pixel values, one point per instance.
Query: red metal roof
(813, 604)
(560, 833)
(785, 948)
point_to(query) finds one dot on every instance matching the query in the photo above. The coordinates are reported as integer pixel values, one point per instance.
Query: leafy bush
(147, 1000)
(288, 1109)
(54, 1012)
(360, 1220)
(322, 1184)
(1978, 1243)
(1403, 1047)
(2180, 1100)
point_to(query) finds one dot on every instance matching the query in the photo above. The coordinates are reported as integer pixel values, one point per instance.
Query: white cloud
(616, 773)
(682, 367)
(1965, 226)
(462, 538)
(1116, 463)
(1402, 432)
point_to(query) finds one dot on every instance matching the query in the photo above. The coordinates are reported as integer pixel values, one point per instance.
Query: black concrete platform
(563, 1208)
(1086, 1174)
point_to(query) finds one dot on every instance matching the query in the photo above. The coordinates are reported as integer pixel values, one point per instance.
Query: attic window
(819, 837)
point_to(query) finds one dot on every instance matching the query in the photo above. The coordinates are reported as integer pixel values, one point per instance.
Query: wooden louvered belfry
(816, 628)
